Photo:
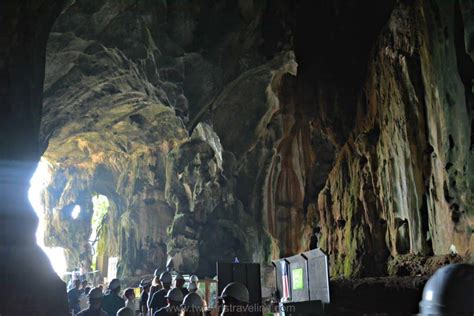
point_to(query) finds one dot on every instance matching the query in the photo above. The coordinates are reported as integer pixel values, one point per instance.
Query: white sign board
(112, 268)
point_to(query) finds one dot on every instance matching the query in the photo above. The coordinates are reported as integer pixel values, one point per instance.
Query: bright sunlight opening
(76, 211)
(38, 183)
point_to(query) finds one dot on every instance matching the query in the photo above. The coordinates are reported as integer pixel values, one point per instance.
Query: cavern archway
(202, 131)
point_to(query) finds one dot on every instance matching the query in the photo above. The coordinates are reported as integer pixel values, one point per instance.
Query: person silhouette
(314, 241)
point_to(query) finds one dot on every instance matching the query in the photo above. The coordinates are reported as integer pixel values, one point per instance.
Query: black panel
(224, 275)
(239, 273)
(253, 282)
(245, 273)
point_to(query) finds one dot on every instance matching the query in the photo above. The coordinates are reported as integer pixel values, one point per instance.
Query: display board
(112, 268)
(298, 278)
(318, 274)
(303, 278)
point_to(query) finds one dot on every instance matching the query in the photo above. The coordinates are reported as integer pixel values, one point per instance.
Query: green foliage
(101, 207)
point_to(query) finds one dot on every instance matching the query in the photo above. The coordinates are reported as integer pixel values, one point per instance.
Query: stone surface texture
(243, 128)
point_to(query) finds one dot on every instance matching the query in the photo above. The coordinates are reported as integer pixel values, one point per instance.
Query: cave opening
(76, 210)
(38, 183)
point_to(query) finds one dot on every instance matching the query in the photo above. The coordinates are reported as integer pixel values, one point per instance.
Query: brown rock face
(242, 129)
(401, 183)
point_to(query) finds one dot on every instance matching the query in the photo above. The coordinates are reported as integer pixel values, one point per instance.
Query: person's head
(87, 289)
(192, 287)
(125, 311)
(174, 297)
(95, 298)
(146, 288)
(194, 279)
(145, 285)
(129, 294)
(166, 279)
(192, 305)
(84, 284)
(179, 281)
(76, 283)
(115, 286)
(235, 296)
(449, 291)
(156, 283)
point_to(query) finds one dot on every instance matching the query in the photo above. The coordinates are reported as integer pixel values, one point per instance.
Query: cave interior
(203, 131)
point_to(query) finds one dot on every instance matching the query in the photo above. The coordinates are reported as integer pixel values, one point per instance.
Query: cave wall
(24, 268)
(242, 128)
(127, 83)
(108, 132)
(402, 182)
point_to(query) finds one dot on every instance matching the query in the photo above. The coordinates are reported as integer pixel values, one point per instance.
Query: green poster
(297, 279)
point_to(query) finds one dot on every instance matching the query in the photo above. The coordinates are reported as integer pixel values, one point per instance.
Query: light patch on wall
(40, 180)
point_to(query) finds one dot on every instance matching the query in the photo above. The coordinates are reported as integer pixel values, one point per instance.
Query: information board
(112, 268)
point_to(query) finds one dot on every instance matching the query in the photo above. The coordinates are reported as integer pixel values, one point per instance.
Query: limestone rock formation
(250, 129)
(109, 133)
(210, 223)
(123, 80)
(402, 183)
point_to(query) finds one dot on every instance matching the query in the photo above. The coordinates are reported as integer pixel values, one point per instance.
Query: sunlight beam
(40, 180)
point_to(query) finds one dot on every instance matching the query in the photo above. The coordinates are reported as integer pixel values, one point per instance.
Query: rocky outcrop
(219, 130)
(210, 223)
(402, 182)
(127, 86)
(109, 133)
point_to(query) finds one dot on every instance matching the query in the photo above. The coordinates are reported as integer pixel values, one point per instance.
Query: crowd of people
(161, 296)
